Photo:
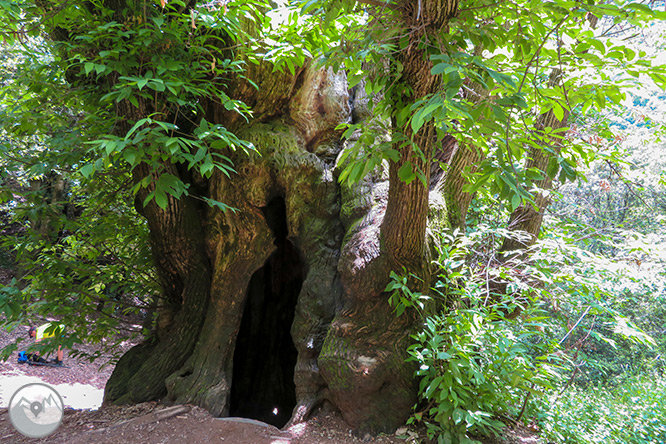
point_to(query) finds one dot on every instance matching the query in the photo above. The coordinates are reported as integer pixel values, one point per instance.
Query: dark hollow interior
(263, 377)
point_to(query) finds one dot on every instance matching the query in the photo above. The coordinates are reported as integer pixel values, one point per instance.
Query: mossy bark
(351, 347)
(363, 359)
(295, 161)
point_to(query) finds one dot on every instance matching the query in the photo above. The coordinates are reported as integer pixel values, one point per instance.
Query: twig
(485, 301)
(559, 60)
(627, 183)
(522, 409)
(538, 51)
(575, 325)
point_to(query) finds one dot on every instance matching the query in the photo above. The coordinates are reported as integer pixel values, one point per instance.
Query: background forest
(561, 105)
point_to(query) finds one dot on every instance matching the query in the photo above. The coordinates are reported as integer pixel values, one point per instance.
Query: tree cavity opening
(265, 357)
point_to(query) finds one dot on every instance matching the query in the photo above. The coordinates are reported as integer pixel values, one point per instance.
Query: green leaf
(393, 155)
(110, 146)
(406, 173)
(161, 200)
(206, 168)
(598, 45)
(219, 205)
(440, 68)
(130, 156)
(502, 79)
(515, 201)
(87, 170)
(136, 126)
(558, 111)
(498, 112)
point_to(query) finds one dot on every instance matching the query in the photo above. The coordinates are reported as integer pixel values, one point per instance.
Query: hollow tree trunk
(246, 255)
(229, 275)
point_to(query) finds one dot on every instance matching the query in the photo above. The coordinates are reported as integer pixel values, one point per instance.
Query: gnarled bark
(238, 245)
(363, 358)
(335, 247)
(177, 241)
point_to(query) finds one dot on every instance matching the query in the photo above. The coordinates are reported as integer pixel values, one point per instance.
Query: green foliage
(477, 368)
(596, 303)
(606, 249)
(91, 270)
(607, 233)
(632, 412)
(402, 297)
(494, 64)
(90, 94)
(586, 321)
(78, 248)
(161, 66)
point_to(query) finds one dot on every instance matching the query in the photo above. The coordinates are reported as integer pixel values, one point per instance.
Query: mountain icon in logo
(36, 410)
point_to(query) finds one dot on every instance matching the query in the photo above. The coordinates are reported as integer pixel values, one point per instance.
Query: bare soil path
(81, 377)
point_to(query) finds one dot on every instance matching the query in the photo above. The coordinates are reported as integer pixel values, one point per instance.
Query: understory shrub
(479, 363)
(476, 368)
(633, 412)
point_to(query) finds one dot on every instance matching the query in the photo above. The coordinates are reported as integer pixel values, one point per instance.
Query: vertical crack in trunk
(265, 356)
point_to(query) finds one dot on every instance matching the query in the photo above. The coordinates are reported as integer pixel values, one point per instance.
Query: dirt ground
(150, 423)
(193, 425)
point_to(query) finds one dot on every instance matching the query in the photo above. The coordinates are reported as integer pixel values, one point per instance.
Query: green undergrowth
(568, 340)
(633, 412)
(480, 365)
